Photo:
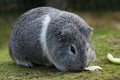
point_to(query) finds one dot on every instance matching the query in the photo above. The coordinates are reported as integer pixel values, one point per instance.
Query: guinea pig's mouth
(88, 63)
(93, 60)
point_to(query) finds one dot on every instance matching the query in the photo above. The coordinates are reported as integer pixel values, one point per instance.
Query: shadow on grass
(9, 70)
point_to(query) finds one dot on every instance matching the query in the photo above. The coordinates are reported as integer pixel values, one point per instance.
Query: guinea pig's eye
(73, 50)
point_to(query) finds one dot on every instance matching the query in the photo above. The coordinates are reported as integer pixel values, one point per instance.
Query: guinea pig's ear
(62, 35)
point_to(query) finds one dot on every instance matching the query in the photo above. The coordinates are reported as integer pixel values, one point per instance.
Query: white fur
(44, 28)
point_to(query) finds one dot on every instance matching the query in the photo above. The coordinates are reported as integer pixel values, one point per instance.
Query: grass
(106, 39)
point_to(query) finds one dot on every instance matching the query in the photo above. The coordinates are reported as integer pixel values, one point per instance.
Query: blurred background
(98, 13)
(8, 7)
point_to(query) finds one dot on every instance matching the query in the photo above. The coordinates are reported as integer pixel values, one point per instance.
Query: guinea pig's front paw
(93, 68)
(25, 63)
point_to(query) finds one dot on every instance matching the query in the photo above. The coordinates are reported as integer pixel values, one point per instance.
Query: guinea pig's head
(69, 45)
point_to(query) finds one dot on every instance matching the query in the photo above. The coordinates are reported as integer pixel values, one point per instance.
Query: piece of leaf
(112, 59)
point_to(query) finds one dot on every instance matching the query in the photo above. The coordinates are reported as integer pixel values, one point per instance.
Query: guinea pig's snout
(73, 49)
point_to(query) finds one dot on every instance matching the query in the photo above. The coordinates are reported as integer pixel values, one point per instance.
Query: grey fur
(65, 31)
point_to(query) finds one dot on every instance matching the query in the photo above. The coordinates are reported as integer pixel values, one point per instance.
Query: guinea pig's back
(32, 14)
(25, 36)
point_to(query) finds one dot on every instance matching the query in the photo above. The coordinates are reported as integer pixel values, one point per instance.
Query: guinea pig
(50, 37)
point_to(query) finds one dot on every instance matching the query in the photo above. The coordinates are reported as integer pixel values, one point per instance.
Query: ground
(106, 37)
